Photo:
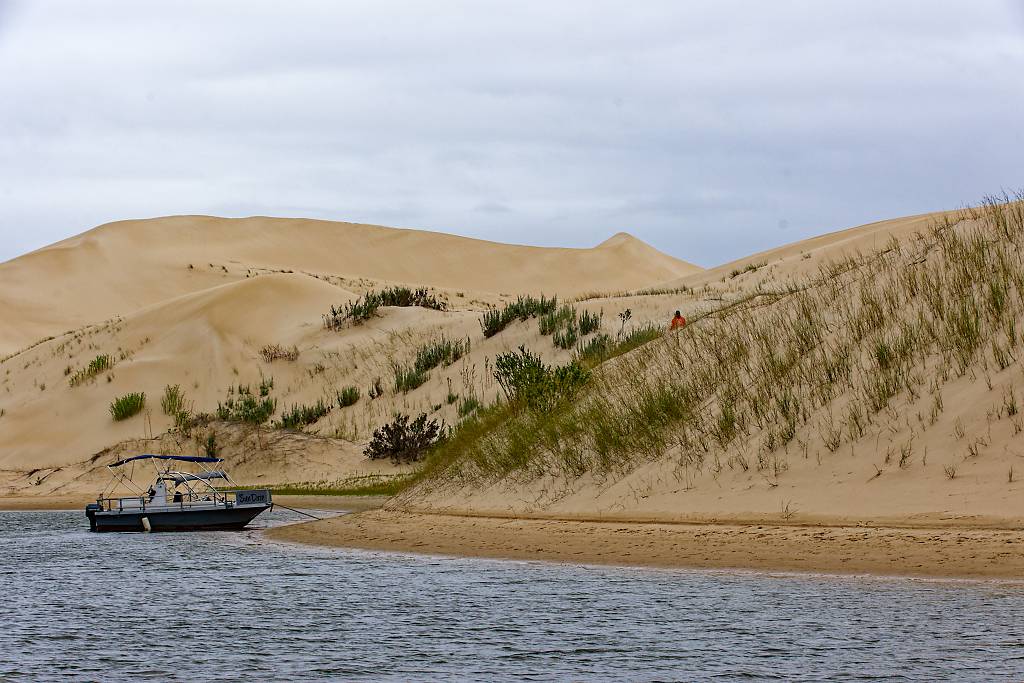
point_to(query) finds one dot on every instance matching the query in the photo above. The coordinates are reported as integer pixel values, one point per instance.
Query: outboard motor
(90, 511)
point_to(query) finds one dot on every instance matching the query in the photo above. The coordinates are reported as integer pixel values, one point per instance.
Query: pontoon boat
(176, 501)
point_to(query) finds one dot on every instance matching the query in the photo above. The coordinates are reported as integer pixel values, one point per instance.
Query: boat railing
(185, 501)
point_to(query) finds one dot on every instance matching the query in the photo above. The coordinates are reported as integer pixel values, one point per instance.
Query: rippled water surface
(233, 606)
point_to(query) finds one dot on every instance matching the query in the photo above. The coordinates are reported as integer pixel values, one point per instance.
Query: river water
(233, 606)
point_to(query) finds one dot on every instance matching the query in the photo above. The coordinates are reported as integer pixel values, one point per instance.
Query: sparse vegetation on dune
(523, 308)
(348, 396)
(408, 377)
(173, 400)
(242, 405)
(129, 405)
(298, 416)
(97, 366)
(402, 441)
(443, 351)
(272, 352)
(567, 326)
(744, 382)
(366, 306)
(362, 485)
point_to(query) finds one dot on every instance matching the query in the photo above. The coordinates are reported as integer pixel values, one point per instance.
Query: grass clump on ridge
(298, 416)
(173, 400)
(242, 405)
(408, 377)
(365, 307)
(272, 352)
(123, 407)
(97, 365)
(567, 327)
(555, 320)
(429, 356)
(528, 381)
(348, 396)
(744, 381)
(524, 307)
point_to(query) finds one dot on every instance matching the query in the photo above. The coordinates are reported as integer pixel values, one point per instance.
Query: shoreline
(934, 552)
(78, 502)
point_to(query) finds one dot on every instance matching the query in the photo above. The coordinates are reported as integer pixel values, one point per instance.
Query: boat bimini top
(122, 471)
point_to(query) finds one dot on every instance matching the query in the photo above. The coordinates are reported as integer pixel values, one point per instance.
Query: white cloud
(700, 127)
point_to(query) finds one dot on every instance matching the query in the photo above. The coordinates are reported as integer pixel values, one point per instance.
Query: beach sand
(906, 551)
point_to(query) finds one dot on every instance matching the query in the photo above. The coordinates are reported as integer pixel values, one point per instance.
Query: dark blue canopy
(150, 456)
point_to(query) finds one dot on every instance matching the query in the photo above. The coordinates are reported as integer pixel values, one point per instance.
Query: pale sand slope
(210, 341)
(207, 340)
(806, 256)
(121, 267)
(949, 469)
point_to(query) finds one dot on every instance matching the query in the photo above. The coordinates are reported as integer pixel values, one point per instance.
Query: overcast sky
(710, 130)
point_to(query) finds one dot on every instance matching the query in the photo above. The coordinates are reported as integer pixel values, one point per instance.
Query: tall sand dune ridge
(872, 376)
(121, 267)
(823, 381)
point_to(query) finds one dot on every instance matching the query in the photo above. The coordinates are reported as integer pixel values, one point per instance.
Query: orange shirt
(678, 323)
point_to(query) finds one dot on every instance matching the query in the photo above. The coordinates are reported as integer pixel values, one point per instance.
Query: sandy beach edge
(928, 551)
(303, 502)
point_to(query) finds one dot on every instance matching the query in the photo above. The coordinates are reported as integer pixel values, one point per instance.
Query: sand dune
(190, 301)
(128, 290)
(805, 256)
(118, 268)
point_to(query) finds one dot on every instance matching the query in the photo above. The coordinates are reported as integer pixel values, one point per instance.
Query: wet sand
(925, 551)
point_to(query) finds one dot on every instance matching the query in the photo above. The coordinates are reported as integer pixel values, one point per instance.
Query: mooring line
(298, 511)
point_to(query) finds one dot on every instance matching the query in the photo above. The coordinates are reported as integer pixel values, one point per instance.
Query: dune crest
(120, 267)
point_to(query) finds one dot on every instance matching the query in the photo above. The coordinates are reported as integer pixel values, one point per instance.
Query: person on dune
(678, 322)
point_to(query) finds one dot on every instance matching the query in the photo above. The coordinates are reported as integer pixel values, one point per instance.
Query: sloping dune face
(121, 267)
(199, 341)
(192, 302)
(803, 258)
(868, 376)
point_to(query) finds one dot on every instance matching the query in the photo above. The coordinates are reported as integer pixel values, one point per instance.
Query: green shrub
(247, 408)
(589, 322)
(468, 405)
(524, 307)
(408, 378)
(348, 396)
(404, 442)
(429, 356)
(299, 416)
(126, 406)
(638, 336)
(365, 307)
(184, 421)
(173, 401)
(567, 338)
(445, 351)
(405, 297)
(210, 446)
(554, 321)
(527, 381)
(97, 365)
(596, 350)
